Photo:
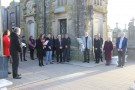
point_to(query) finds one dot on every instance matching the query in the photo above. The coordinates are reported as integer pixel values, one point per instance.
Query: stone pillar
(1, 45)
(3, 60)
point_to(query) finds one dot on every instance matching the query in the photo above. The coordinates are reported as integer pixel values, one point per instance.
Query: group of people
(87, 45)
(14, 46)
(106, 49)
(47, 45)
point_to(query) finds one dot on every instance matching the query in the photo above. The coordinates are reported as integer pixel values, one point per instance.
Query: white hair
(16, 29)
(122, 34)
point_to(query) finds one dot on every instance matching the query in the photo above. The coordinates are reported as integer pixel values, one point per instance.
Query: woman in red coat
(108, 48)
(6, 45)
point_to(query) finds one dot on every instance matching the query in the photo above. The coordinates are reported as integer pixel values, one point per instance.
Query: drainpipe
(44, 17)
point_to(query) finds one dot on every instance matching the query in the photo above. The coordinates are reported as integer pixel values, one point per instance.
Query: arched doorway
(31, 28)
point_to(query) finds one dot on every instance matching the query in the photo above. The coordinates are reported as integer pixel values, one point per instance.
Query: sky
(7, 2)
(120, 11)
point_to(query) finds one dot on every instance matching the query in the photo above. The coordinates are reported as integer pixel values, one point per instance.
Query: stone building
(76, 16)
(64, 16)
(13, 14)
(4, 18)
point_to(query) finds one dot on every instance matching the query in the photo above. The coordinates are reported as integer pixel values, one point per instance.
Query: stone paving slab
(31, 72)
(112, 79)
(74, 75)
(88, 65)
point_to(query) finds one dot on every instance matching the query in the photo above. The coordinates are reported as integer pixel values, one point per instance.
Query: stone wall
(80, 16)
(13, 15)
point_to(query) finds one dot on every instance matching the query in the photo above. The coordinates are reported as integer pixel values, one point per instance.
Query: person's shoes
(57, 62)
(9, 72)
(69, 59)
(101, 60)
(25, 60)
(122, 66)
(18, 74)
(60, 62)
(32, 58)
(84, 61)
(43, 65)
(51, 63)
(107, 64)
(40, 65)
(118, 66)
(17, 77)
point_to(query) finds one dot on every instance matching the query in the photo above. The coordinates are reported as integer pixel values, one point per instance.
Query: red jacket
(6, 45)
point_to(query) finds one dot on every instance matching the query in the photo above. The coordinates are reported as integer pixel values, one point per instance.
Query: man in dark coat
(66, 52)
(59, 48)
(121, 46)
(101, 44)
(97, 49)
(15, 48)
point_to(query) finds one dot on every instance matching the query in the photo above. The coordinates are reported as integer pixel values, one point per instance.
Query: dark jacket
(50, 43)
(124, 43)
(97, 45)
(57, 43)
(24, 41)
(32, 44)
(14, 44)
(101, 42)
(66, 42)
(39, 47)
(54, 48)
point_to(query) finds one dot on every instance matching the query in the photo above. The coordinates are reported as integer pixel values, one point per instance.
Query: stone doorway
(63, 26)
(31, 28)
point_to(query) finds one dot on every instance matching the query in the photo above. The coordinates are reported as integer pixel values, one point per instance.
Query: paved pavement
(73, 76)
